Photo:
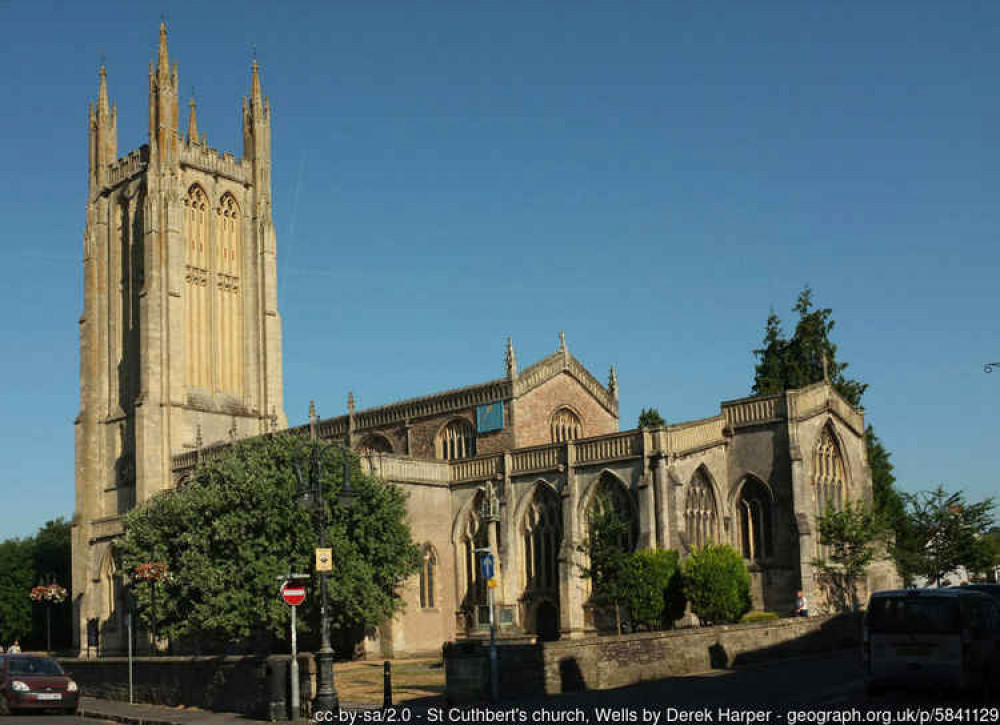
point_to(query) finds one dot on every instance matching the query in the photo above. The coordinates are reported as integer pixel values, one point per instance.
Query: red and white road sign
(293, 594)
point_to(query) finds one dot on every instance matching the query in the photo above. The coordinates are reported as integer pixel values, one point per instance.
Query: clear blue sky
(650, 177)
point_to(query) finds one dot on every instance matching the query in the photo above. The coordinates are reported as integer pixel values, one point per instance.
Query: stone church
(180, 352)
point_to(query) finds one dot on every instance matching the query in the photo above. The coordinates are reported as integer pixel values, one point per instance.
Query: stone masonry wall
(533, 411)
(597, 663)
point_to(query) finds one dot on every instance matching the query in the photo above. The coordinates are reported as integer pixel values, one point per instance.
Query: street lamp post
(326, 691)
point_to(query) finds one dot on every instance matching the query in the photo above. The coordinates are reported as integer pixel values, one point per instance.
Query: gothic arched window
(829, 479)
(457, 440)
(198, 305)
(427, 575)
(474, 536)
(755, 520)
(374, 443)
(701, 517)
(566, 426)
(612, 496)
(229, 264)
(542, 539)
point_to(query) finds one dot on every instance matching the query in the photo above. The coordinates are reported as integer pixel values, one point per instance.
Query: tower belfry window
(230, 312)
(198, 303)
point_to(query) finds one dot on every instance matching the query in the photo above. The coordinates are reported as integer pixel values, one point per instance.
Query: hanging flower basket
(152, 571)
(49, 594)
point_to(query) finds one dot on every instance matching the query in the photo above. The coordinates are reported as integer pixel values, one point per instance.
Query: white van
(939, 638)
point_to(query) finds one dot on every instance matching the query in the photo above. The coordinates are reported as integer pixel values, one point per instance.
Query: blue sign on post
(486, 566)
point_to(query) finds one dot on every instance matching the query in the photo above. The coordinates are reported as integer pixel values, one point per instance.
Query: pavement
(143, 714)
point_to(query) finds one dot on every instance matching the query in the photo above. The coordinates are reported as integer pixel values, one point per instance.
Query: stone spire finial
(826, 367)
(192, 123)
(256, 99)
(510, 360)
(312, 419)
(102, 94)
(613, 382)
(163, 56)
(350, 401)
(563, 347)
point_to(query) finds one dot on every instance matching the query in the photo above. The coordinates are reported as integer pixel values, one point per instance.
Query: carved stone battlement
(209, 160)
(127, 167)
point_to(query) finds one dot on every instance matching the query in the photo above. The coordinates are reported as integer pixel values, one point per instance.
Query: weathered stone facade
(180, 337)
(181, 351)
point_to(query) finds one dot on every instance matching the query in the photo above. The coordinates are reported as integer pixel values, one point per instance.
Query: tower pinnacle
(192, 133)
(163, 57)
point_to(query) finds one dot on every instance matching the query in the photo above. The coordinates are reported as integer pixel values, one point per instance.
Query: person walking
(15, 648)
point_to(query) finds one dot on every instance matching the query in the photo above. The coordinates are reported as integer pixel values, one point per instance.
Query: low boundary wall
(602, 662)
(246, 684)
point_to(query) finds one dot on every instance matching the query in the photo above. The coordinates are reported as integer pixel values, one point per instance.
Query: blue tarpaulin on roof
(489, 417)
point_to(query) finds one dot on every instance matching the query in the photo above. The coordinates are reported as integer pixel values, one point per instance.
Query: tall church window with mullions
(754, 510)
(829, 480)
(701, 516)
(542, 539)
(229, 262)
(197, 339)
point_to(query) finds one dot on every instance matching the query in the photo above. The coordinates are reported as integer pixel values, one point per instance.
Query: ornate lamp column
(311, 490)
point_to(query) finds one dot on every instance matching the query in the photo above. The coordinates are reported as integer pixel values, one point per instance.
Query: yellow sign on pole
(491, 583)
(324, 559)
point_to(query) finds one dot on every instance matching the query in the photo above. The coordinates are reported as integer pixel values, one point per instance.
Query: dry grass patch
(412, 679)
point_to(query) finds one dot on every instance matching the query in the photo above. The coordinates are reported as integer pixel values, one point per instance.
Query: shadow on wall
(571, 676)
(837, 632)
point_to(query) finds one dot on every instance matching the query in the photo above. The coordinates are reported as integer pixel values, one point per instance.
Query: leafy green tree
(607, 560)
(946, 532)
(238, 525)
(717, 584)
(799, 361)
(16, 580)
(655, 589)
(651, 418)
(852, 536)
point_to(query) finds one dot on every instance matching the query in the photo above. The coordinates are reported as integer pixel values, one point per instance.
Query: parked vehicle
(35, 682)
(992, 589)
(941, 638)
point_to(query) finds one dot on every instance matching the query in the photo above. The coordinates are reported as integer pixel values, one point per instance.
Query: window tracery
(566, 426)
(701, 517)
(456, 441)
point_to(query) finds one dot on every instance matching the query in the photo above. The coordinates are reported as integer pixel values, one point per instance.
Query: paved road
(45, 718)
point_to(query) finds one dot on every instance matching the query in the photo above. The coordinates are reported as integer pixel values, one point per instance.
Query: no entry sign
(293, 594)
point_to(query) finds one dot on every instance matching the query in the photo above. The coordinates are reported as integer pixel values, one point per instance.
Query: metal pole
(326, 692)
(152, 598)
(387, 684)
(494, 668)
(128, 619)
(295, 669)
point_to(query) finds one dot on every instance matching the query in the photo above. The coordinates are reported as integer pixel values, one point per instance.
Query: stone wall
(240, 684)
(598, 663)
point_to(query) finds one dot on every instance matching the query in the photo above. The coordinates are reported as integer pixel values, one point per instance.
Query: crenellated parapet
(127, 167)
(212, 161)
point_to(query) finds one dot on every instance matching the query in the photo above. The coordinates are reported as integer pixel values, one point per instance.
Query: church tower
(180, 337)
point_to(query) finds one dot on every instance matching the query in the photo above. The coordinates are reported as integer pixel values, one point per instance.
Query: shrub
(655, 590)
(717, 584)
(751, 617)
